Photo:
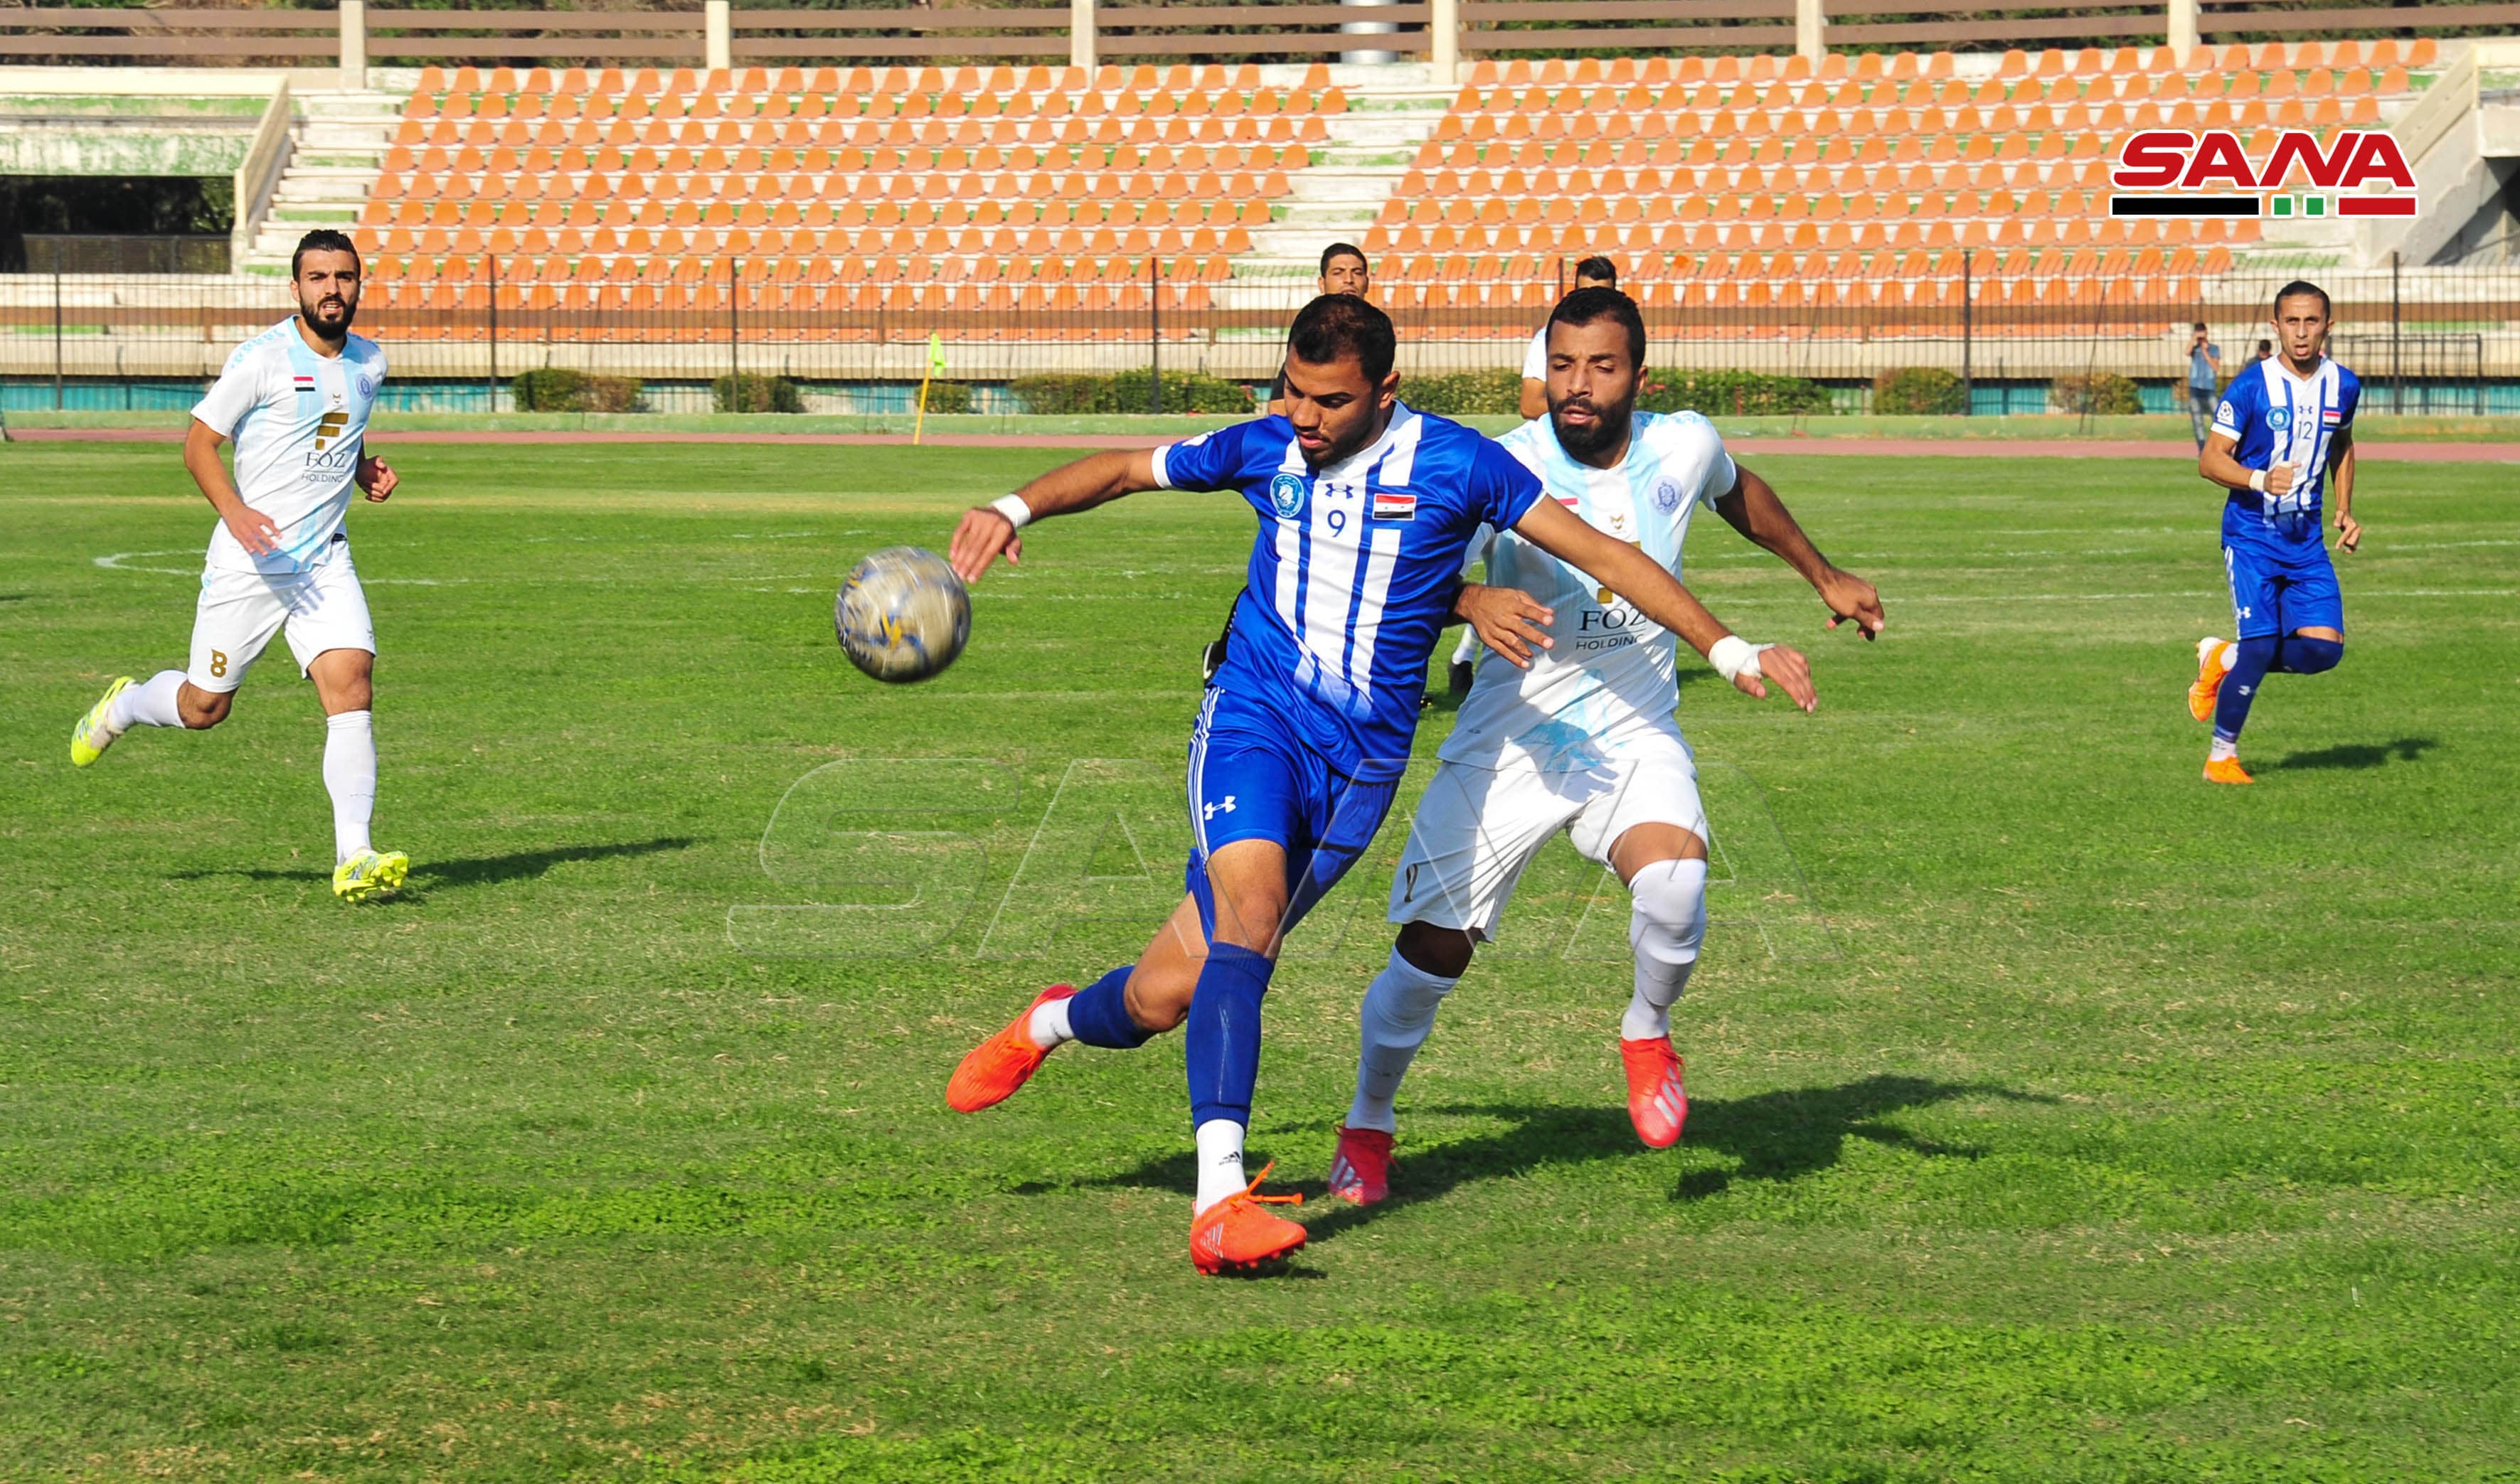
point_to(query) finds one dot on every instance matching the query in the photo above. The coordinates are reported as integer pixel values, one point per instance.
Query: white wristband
(1017, 513)
(1734, 657)
(2258, 480)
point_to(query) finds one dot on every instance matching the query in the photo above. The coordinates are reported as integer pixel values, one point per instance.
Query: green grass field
(2056, 1117)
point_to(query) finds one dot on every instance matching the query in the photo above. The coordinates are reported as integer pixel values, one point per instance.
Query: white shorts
(1477, 829)
(319, 608)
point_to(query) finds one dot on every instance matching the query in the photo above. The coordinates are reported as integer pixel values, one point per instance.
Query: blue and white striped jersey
(2276, 418)
(1611, 678)
(298, 419)
(1354, 570)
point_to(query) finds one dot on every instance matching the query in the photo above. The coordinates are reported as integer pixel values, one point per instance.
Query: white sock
(149, 703)
(2230, 656)
(1049, 1028)
(1468, 648)
(1220, 1162)
(1666, 928)
(2221, 749)
(350, 773)
(1398, 1011)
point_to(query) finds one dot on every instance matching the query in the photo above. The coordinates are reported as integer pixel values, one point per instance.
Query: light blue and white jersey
(1354, 570)
(1611, 677)
(298, 419)
(2274, 416)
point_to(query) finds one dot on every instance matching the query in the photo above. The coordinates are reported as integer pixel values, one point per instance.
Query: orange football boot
(996, 1067)
(1657, 1102)
(1234, 1235)
(1361, 1171)
(2226, 770)
(2209, 670)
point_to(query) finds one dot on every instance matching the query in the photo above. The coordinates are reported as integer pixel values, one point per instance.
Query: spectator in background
(1591, 273)
(2204, 379)
(1344, 270)
(2265, 348)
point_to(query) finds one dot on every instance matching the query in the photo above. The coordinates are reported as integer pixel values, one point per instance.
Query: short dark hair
(1586, 305)
(2299, 286)
(1601, 269)
(321, 240)
(1336, 251)
(1337, 325)
(2199, 324)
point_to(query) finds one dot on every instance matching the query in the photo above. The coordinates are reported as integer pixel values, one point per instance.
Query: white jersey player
(295, 399)
(1581, 735)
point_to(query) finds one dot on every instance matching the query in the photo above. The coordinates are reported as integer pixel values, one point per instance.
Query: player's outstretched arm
(1753, 510)
(988, 532)
(1639, 578)
(2340, 486)
(253, 530)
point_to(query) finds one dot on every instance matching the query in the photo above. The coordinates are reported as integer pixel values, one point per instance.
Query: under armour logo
(1209, 811)
(2245, 612)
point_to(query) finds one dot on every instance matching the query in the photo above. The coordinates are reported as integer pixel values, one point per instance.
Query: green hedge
(1464, 393)
(556, 390)
(2104, 392)
(1740, 393)
(1920, 389)
(756, 393)
(944, 397)
(1184, 391)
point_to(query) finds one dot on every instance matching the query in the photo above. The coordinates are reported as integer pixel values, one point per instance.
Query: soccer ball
(902, 614)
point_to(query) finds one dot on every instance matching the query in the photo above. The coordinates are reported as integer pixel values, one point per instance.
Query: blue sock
(2296, 655)
(1222, 1039)
(2249, 668)
(1100, 1012)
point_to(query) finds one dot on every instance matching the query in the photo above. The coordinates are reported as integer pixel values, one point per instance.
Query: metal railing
(2450, 343)
(715, 34)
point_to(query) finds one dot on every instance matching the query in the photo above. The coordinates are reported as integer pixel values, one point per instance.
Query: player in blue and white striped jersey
(2282, 438)
(1366, 508)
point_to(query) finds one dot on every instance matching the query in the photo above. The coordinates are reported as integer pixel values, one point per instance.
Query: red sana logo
(2173, 172)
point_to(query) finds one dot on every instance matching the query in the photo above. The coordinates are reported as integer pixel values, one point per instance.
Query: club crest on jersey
(1287, 495)
(2279, 418)
(1394, 505)
(1666, 497)
(366, 386)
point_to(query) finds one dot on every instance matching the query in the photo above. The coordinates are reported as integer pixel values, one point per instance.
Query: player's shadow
(478, 870)
(1776, 1135)
(2405, 750)
(490, 869)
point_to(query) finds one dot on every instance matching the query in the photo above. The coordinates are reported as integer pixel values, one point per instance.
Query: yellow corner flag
(936, 369)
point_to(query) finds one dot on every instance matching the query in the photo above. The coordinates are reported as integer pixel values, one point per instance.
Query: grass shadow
(1776, 1135)
(477, 871)
(2405, 750)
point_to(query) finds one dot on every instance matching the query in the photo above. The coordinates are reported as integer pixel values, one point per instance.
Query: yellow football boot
(89, 739)
(370, 875)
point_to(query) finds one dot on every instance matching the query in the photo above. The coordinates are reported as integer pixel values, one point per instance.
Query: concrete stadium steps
(1392, 110)
(340, 149)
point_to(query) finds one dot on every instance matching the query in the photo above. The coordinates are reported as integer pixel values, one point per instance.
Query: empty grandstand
(1827, 215)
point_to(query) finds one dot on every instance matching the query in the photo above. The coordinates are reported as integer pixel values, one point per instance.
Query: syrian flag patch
(2333, 416)
(1394, 505)
(303, 384)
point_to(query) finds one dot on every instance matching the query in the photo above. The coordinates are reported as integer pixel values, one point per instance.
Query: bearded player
(1579, 737)
(2282, 436)
(296, 398)
(1366, 508)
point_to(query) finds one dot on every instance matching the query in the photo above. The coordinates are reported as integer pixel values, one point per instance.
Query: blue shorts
(2275, 593)
(1250, 777)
